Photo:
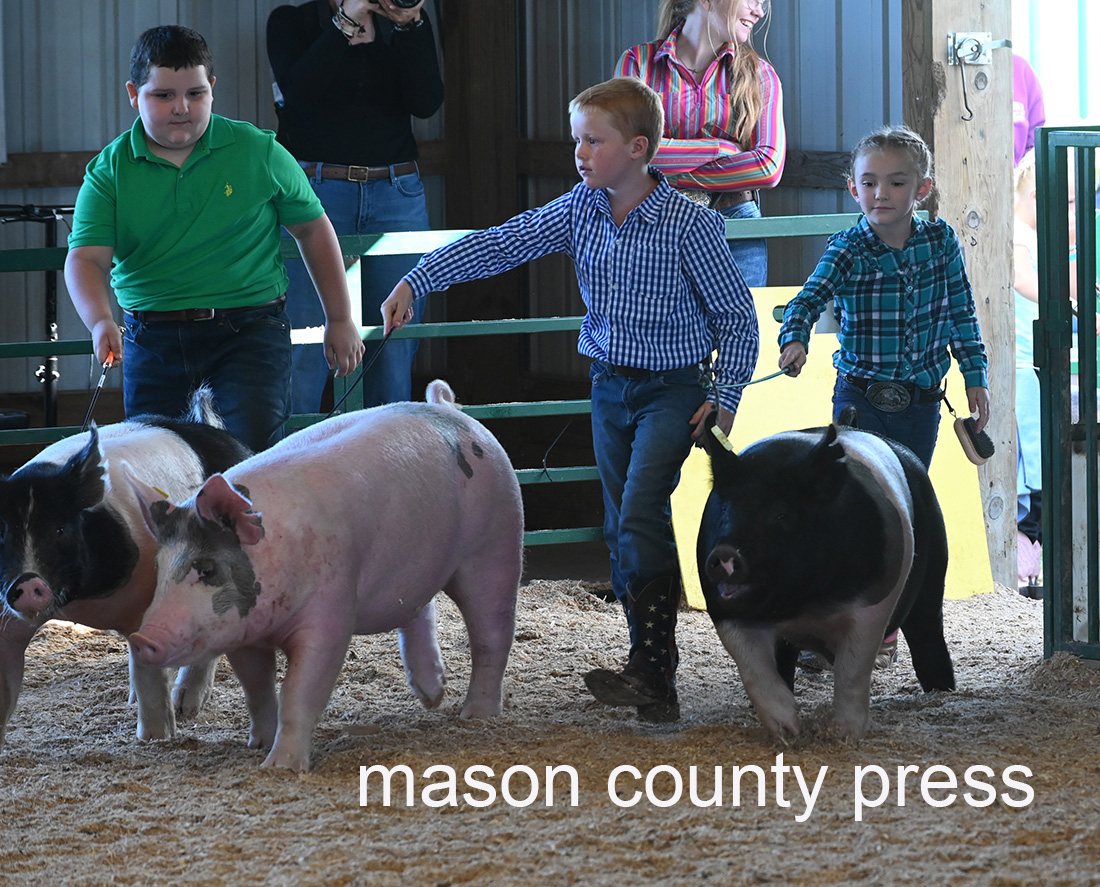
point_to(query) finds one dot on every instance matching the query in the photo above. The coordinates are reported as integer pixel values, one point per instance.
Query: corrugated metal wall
(64, 66)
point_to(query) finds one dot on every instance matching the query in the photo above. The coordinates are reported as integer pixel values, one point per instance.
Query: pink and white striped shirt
(699, 150)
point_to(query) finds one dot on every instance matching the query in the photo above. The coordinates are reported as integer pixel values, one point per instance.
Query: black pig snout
(725, 563)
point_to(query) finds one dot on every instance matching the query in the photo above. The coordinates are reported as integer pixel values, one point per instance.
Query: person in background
(1029, 466)
(1028, 111)
(662, 295)
(724, 135)
(183, 213)
(349, 78)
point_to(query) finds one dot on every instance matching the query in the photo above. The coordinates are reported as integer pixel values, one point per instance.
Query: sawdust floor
(85, 804)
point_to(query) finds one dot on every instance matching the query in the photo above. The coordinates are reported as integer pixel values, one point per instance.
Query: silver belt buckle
(890, 397)
(700, 197)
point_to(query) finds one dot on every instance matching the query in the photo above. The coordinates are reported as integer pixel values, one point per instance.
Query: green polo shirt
(202, 236)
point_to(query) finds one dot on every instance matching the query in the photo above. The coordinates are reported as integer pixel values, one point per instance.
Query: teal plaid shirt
(902, 313)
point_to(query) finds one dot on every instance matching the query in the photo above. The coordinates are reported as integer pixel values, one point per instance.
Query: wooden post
(974, 194)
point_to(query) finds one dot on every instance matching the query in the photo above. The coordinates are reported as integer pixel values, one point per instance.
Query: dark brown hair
(169, 46)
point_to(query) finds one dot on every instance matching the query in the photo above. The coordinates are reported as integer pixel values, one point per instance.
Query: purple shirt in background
(1027, 107)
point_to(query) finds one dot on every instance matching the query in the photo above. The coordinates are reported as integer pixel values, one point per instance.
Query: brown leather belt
(719, 200)
(186, 314)
(360, 173)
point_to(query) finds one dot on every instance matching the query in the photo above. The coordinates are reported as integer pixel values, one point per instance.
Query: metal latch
(973, 47)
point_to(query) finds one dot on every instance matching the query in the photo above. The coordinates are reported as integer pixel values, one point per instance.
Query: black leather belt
(185, 314)
(637, 372)
(893, 396)
(359, 173)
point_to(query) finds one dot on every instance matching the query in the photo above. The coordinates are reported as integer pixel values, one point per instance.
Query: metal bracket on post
(973, 47)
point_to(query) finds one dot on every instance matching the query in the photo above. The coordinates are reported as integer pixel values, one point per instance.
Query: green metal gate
(1066, 356)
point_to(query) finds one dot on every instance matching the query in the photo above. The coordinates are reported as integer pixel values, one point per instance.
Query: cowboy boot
(648, 681)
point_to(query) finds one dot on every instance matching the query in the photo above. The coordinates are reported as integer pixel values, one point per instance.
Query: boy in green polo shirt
(184, 213)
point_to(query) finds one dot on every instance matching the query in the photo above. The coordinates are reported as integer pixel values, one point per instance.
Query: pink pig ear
(153, 503)
(217, 501)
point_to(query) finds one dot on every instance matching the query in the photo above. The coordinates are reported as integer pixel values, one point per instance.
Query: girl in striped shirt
(724, 139)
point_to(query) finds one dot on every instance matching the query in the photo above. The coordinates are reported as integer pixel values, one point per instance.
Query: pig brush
(976, 444)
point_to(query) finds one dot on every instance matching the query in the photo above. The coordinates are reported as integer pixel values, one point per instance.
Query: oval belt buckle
(890, 397)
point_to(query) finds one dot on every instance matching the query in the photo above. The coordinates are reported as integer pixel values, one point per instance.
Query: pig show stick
(99, 387)
(362, 372)
(717, 431)
(746, 384)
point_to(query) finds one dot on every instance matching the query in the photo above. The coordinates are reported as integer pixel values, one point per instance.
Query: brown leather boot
(649, 680)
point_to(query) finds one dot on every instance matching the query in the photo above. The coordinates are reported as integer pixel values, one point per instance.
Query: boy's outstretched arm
(86, 273)
(321, 253)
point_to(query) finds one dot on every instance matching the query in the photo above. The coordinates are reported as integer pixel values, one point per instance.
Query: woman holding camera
(349, 78)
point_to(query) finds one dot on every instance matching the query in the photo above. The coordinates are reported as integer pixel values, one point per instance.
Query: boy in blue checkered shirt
(662, 294)
(902, 298)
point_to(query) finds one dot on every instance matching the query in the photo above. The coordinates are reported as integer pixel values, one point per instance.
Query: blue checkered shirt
(899, 310)
(662, 291)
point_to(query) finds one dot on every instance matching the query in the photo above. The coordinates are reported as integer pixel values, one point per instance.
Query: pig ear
(155, 506)
(828, 466)
(220, 503)
(86, 471)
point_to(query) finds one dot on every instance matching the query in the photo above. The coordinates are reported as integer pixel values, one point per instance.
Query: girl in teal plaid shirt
(901, 297)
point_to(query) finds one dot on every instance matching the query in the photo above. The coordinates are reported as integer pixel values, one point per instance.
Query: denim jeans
(641, 433)
(244, 356)
(377, 206)
(751, 256)
(917, 426)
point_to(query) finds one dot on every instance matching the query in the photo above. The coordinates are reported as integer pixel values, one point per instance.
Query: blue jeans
(377, 206)
(917, 426)
(751, 256)
(243, 355)
(641, 434)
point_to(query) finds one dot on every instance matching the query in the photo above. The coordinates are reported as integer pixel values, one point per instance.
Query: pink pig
(350, 526)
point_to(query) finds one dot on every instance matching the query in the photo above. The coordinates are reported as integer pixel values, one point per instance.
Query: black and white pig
(74, 546)
(823, 540)
(350, 526)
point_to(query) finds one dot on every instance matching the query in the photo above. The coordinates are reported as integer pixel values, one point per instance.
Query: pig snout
(151, 647)
(726, 567)
(29, 595)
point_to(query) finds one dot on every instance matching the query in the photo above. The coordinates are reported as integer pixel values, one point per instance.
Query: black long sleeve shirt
(350, 105)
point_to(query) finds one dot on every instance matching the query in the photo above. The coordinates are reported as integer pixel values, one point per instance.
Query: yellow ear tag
(159, 490)
(720, 436)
